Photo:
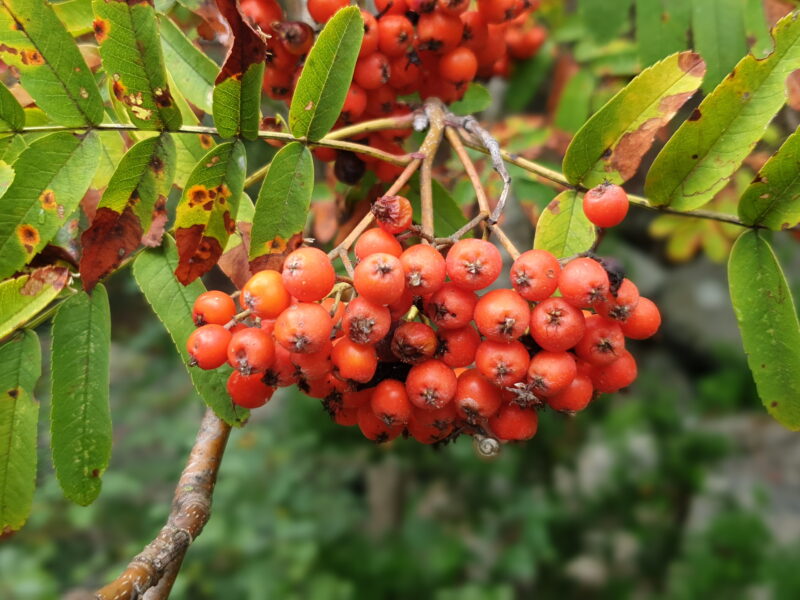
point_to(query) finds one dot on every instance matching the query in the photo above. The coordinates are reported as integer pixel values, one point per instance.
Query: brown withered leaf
(234, 263)
(197, 253)
(108, 241)
(248, 46)
(52, 275)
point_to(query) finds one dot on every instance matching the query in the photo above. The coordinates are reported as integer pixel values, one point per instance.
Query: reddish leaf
(234, 262)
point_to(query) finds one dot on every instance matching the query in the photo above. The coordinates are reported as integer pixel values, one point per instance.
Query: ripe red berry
(439, 32)
(265, 294)
(322, 10)
(513, 424)
(457, 347)
(312, 365)
(475, 34)
(451, 307)
(248, 391)
(277, 84)
(374, 429)
(429, 426)
(414, 342)
(393, 213)
(424, 269)
(605, 205)
(616, 375)
(502, 364)
(346, 417)
(355, 103)
(404, 74)
(369, 43)
(430, 384)
(379, 278)
(576, 396)
(476, 397)
(354, 362)
(391, 7)
(304, 328)
(377, 240)
(584, 282)
(297, 37)
(366, 322)
(308, 274)
(390, 402)
(453, 7)
(251, 350)
(621, 305)
(213, 307)
(602, 342)
(263, 12)
(643, 322)
(497, 11)
(551, 372)
(208, 346)
(535, 275)
(474, 264)
(523, 44)
(372, 71)
(396, 35)
(459, 65)
(502, 315)
(556, 325)
(282, 373)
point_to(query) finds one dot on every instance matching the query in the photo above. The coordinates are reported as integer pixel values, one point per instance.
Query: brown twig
(458, 147)
(505, 241)
(492, 147)
(191, 509)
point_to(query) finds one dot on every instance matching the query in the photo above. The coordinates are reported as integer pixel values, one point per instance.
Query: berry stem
(348, 266)
(238, 318)
(458, 147)
(430, 145)
(399, 122)
(505, 241)
(452, 239)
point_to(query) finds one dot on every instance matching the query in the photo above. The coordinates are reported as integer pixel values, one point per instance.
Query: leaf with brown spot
(21, 298)
(59, 165)
(130, 47)
(51, 68)
(132, 210)
(237, 89)
(203, 221)
(612, 143)
(234, 261)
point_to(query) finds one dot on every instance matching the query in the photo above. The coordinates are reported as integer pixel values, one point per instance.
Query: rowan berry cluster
(431, 47)
(414, 349)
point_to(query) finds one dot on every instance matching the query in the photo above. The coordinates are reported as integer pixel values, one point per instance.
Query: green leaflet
(12, 117)
(662, 27)
(76, 15)
(192, 71)
(80, 417)
(573, 107)
(131, 53)
(21, 298)
(476, 99)
(563, 229)
(133, 209)
(773, 199)
(283, 202)
(112, 149)
(612, 143)
(708, 148)
(768, 323)
(719, 37)
(172, 302)
(322, 87)
(52, 175)
(6, 177)
(51, 67)
(20, 368)
(204, 216)
(604, 20)
(237, 91)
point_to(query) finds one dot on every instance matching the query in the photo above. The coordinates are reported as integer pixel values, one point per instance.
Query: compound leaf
(708, 148)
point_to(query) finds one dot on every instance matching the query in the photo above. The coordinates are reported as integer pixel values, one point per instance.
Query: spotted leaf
(204, 219)
(133, 209)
